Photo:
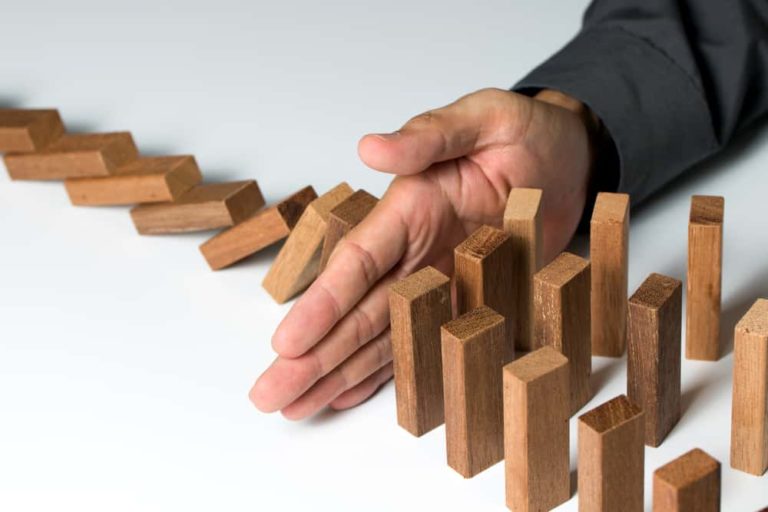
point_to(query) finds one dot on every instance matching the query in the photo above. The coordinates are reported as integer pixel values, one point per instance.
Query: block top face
(610, 207)
(419, 283)
(354, 208)
(86, 142)
(213, 191)
(707, 210)
(154, 165)
(611, 414)
(328, 201)
(21, 118)
(564, 268)
(482, 242)
(756, 319)
(687, 468)
(655, 291)
(539, 362)
(523, 203)
(472, 323)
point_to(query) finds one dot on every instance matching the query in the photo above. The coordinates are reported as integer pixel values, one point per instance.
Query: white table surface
(125, 363)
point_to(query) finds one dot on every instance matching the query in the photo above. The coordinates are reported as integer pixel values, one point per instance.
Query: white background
(125, 363)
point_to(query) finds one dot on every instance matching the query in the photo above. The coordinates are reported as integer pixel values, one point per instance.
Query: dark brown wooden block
(690, 483)
(25, 130)
(345, 216)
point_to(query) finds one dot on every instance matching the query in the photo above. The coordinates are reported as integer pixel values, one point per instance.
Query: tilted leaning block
(690, 483)
(25, 130)
(345, 216)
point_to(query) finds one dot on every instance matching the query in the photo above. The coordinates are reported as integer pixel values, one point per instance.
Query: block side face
(707, 210)
(499, 290)
(665, 496)
(669, 367)
(577, 337)
(643, 364)
(24, 130)
(291, 208)
(183, 175)
(468, 276)
(403, 360)
(330, 200)
(548, 315)
(117, 190)
(455, 404)
(590, 469)
(703, 293)
(611, 415)
(42, 166)
(355, 208)
(164, 218)
(623, 462)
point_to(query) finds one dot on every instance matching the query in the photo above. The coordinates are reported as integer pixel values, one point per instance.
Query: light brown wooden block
(345, 216)
(749, 420)
(74, 156)
(653, 363)
(611, 457)
(146, 180)
(609, 254)
(705, 261)
(298, 262)
(483, 276)
(24, 130)
(473, 355)
(522, 221)
(265, 228)
(562, 313)
(536, 443)
(208, 206)
(418, 306)
(690, 483)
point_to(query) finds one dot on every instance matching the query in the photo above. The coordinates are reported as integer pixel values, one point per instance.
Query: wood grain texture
(690, 483)
(473, 355)
(484, 277)
(562, 318)
(298, 262)
(705, 261)
(522, 221)
(418, 306)
(609, 255)
(146, 180)
(345, 216)
(26, 130)
(208, 206)
(653, 362)
(74, 156)
(257, 232)
(749, 420)
(611, 457)
(536, 443)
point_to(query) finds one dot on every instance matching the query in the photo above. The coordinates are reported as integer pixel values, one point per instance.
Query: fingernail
(387, 136)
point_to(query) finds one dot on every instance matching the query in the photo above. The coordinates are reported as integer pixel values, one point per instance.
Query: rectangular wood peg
(345, 216)
(690, 483)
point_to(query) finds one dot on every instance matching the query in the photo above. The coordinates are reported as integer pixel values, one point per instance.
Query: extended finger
(364, 390)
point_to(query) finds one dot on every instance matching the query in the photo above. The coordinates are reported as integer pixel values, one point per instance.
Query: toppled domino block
(25, 130)
(348, 214)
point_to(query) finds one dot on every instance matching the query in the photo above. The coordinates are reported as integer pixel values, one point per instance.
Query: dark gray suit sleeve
(673, 81)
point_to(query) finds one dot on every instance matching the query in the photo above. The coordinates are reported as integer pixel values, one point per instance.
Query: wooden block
(749, 420)
(473, 355)
(705, 260)
(24, 130)
(74, 156)
(562, 318)
(609, 255)
(208, 206)
(611, 457)
(265, 228)
(298, 262)
(653, 363)
(483, 276)
(522, 221)
(418, 306)
(536, 443)
(345, 216)
(146, 180)
(690, 483)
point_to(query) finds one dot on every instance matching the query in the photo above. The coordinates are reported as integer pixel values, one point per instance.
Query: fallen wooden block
(611, 457)
(418, 306)
(74, 156)
(562, 319)
(653, 363)
(258, 232)
(298, 262)
(749, 420)
(209, 206)
(483, 277)
(690, 483)
(609, 255)
(522, 221)
(536, 443)
(25, 130)
(345, 216)
(146, 180)
(473, 355)
(705, 261)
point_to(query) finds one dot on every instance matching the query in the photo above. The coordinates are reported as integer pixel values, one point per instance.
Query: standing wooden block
(473, 355)
(203, 207)
(522, 221)
(653, 366)
(705, 261)
(74, 156)
(298, 262)
(749, 421)
(690, 483)
(562, 318)
(345, 216)
(483, 276)
(146, 180)
(418, 306)
(258, 232)
(22, 131)
(536, 444)
(609, 253)
(611, 457)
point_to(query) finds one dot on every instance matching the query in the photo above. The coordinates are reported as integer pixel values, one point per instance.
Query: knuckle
(366, 264)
